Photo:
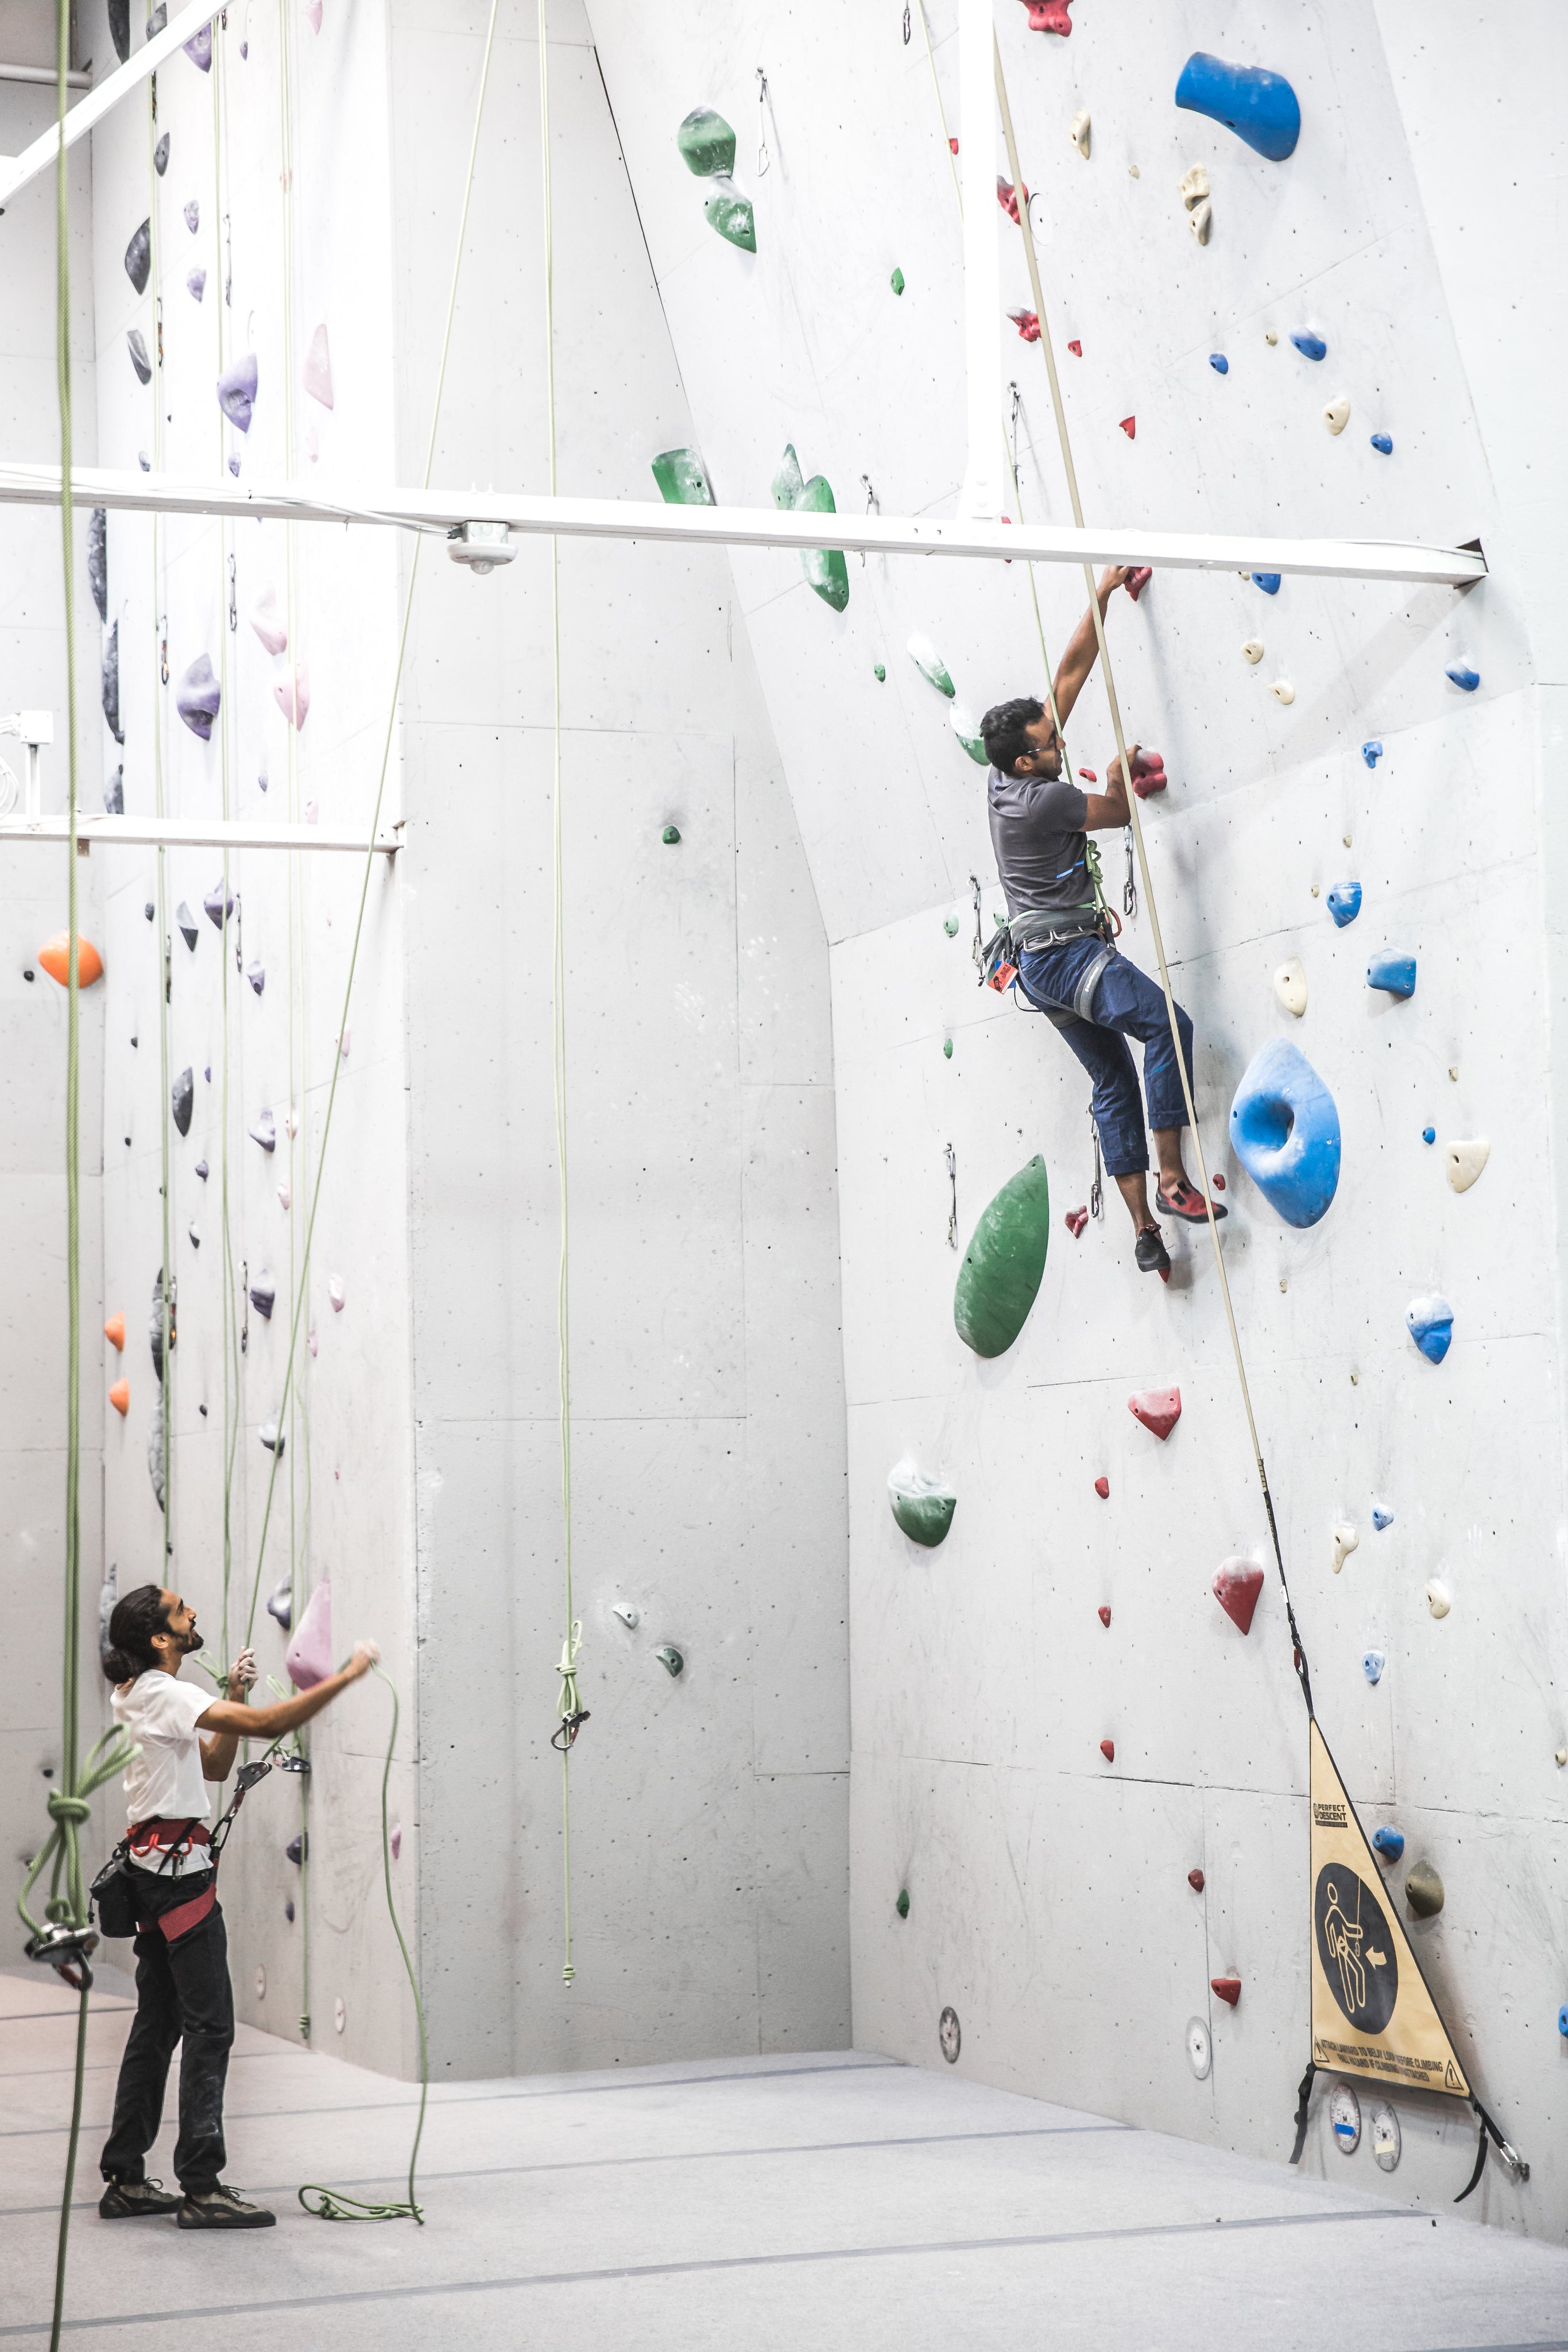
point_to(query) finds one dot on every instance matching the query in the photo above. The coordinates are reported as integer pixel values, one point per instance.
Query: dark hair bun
(134, 1621)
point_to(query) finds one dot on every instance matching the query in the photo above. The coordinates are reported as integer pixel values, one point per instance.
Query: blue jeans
(1125, 1004)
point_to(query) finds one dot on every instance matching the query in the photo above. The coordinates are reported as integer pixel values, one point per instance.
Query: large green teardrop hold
(999, 1279)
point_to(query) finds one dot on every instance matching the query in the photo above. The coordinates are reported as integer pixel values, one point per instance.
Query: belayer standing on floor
(1059, 936)
(183, 1989)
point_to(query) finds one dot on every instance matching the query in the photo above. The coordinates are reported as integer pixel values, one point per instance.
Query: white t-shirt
(160, 1711)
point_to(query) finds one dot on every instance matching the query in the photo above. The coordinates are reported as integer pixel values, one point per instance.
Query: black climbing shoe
(1151, 1252)
(1187, 1202)
(123, 2200)
(223, 2209)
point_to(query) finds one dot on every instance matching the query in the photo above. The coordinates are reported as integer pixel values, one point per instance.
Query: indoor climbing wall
(1080, 1820)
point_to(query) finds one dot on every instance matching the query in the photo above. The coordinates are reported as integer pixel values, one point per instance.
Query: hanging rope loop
(572, 1714)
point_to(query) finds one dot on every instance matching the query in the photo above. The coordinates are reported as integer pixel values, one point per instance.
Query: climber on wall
(183, 1988)
(1059, 939)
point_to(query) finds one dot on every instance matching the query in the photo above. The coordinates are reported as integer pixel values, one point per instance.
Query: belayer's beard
(193, 1640)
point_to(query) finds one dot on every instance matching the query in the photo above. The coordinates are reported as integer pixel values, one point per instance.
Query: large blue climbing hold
(1396, 973)
(1465, 679)
(1310, 346)
(1268, 581)
(1390, 1843)
(1344, 903)
(1430, 1322)
(1260, 107)
(1372, 753)
(1284, 1129)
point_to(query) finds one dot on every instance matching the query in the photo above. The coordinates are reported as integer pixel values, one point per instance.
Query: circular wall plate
(1385, 2125)
(1344, 2114)
(261, 1984)
(949, 2033)
(340, 2016)
(1199, 2055)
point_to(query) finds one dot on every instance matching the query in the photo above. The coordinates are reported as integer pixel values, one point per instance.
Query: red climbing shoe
(1187, 1202)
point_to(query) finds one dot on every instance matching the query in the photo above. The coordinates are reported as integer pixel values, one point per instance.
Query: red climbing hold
(1049, 17)
(1138, 580)
(1089, 774)
(1130, 427)
(1237, 1584)
(1149, 773)
(1075, 1220)
(953, 143)
(1217, 1181)
(1103, 1613)
(1077, 350)
(1028, 324)
(1194, 1880)
(1108, 1749)
(1007, 197)
(1102, 1488)
(1227, 1987)
(1157, 1409)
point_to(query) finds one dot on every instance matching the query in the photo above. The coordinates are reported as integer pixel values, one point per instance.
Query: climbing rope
(164, 941)
(1048, 352)
(570, 1711)
(334, 2204)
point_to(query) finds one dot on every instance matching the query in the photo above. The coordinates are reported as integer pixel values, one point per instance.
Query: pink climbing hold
(293, 696)
(1227, 1987)
(1149, 773)
(394, 1839)
(1129, 426)
(1049, 17)
(1138, 580)
(309, 1658)
(1102, 1488)
(1007, 197)
(1194, 1880)
(267, 621)
(313, 10)
(1075, 1220)
(335, 1292)
(1028, 324)
(1237, 1584)
(1103, 1613)
(1108, 1749)
(1077, 350)
(1157, 1409)
(318, 370)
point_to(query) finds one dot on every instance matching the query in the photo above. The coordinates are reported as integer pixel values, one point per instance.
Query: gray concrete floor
(814, 2202)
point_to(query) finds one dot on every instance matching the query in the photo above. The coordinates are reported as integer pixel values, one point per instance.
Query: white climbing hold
(1194, 185)
(1562, 1755)
(1253, 650)
(335, 1292)
(629, 1616)
(1200, 220)
(1269, 336)
(1291, 986)
(1437, 1600)
(1346, 1539)
(284, 1196)
(1336, 416)
(1078, 132)
(1281, 689)
(1466, 1161)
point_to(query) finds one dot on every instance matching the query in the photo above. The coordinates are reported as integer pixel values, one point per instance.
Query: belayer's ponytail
(135, 1621)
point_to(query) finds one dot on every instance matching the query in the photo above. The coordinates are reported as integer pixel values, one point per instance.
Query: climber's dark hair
(135, 1618)
(1004, 731)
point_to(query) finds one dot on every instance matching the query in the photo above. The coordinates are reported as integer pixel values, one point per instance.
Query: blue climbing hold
(1260, 107)
(1465, 679)
(1388, 1844)
(1344, 903)
(1382, 441)
(1219, 364)
(1428, 1134)
(1268, 581)
(1372, 1664)
(1563, 2020)
(1284, 1129)
(1310, 346)
(1382, 1516)
(1396, 973)
(1372, 753)
(1430, 1322)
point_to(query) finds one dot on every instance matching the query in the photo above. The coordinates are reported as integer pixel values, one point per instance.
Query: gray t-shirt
(1037, 832)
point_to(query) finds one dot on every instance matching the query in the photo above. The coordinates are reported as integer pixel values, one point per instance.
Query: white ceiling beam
(178, 833)
(15, 171)
(444, 512)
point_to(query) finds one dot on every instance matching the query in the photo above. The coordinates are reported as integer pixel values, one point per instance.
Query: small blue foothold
(1428, 1134)
(1382, 1516)
(1219, 364)
(1430, 1322)
(1344, 903)
(1372, 753)
(1284, 1129)
(1268, 581)
(1396, 973)
(1465, 679)
(1563, 2020)
(1372, 1664)
(1382, 441)
(1310, 346)
(1260, 107)
(1389, 1843)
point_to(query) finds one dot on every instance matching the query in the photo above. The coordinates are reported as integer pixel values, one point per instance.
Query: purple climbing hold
(196, 283)
(138, 256)
(197, 697)
(298, 1846)
(263, 1295)
(256, 974)
(136, 344)
(186, 925)
(216, 906)
(193, 215)
(203, 1171)
(264, 1131)
(199, 49)
(394, 1839)
(237, 392)
(234, 468)
(182, 1099)
(160, 155)
(280, 1605)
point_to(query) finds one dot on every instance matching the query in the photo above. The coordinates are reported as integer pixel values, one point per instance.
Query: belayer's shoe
(223, 2209)
(1150, 1250)
(123, 2200)
(1187, 1202)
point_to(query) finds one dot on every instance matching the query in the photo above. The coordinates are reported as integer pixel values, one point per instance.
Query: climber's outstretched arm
(1083, 647)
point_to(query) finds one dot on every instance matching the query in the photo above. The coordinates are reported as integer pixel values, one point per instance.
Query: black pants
(182, 1993)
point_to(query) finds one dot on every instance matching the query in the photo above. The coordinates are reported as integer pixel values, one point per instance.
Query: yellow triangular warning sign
(1372, 2011)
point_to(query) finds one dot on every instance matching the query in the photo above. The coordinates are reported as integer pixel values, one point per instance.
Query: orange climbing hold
(1194, 1880)
(55, 955)
(1130, 427)
(119, 1396)
(1103, 1613)
(1157, 1409)
(1237, 1584)
(1228, 1989)
(114, 1330)
(1108, 1749)
(1102, 1488)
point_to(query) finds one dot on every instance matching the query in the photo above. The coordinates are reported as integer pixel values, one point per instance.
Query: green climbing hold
(824, 567)
(708, 144)
(902, 1906)
(896, 281)
(967, 727)
(923, 1506)
(1000, 1276)
(682, 479)
(733, 219)
(950, 925)
(670, 1658)
(931, 666)
(1423, 1890)
(878, 671)
(670, 836)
